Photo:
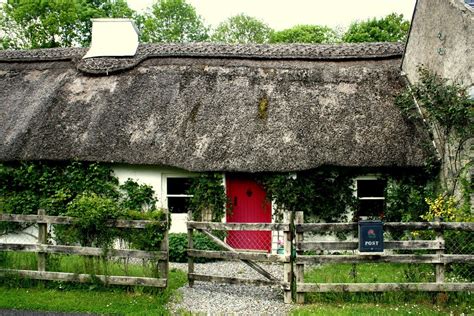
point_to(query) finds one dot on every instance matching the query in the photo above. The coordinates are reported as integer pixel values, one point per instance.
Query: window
(370, 194)
(177, 194)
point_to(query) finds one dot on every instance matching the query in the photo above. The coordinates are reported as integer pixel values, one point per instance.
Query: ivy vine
(209, 196)
(443, 103)
(323, 194)
(448, 110)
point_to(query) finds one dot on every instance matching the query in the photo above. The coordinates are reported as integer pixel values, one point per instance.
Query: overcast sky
(281, 14)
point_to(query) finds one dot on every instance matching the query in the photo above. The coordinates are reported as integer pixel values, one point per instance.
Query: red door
(249, 205)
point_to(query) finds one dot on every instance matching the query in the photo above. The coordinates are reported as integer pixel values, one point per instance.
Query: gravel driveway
(213, 298)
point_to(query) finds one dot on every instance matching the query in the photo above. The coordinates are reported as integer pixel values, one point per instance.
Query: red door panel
(249, 205)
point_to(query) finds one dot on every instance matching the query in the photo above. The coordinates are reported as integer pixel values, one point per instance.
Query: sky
(282, 14)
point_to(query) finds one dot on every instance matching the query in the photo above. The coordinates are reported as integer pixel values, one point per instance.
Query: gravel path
(212, 298)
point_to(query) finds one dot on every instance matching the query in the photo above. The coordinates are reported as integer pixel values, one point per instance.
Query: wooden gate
(250, 258)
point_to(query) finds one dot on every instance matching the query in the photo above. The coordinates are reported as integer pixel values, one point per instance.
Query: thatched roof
(210, 107)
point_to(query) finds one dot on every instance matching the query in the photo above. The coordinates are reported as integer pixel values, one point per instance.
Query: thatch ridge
(108, 65)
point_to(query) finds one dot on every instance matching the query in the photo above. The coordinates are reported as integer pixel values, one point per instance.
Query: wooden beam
(288, 267)
(406, 258)
(299, 269)
(325, 227)
(382, 287)
(84, 251)
(236, 281)
(228, 255)
(448, 258)
(409, 258)
(354, 245)
(339, 227)
(42, 239)
(190, 246)
(236, 226)
(85, 278)
(20, 218)
(250, 263)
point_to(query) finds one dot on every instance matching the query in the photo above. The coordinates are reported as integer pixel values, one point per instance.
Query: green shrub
(178, 244)
(150, 237)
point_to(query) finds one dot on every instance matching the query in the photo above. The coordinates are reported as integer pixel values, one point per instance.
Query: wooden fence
(438, 257)
(42, 249)
(296, 255)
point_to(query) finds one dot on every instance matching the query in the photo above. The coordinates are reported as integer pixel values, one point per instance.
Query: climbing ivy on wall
(449, 115)
(443, 103)
(209, 196)
(323, 194)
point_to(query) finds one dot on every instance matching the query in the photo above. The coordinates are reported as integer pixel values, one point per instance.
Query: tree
(242, 29)
(172, 21)
(305, 34)
(392, 28)
(54, 23)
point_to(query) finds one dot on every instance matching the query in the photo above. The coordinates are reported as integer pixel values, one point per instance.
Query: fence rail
(64, 220)
(344, 227)
(42, 249)
(237, 226)
(354, 245)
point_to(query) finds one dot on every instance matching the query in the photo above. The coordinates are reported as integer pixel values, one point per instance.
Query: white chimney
(113, 38)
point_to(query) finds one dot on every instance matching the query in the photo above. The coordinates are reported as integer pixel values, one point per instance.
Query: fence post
(287, 277)
(299, 219)
(164, 263)
(190, 246)
(440, 267)
(42, 239)
(206, 215)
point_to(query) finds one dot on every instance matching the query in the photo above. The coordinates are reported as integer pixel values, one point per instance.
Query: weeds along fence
(433, 256)
(43, 250)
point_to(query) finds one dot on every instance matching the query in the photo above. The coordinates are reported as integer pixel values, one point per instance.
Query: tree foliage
(29, 24)
(305, 34)
(172, 21)
(392, 28)
(242, 29)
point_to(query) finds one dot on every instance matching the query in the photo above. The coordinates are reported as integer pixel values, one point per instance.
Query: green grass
(25, 294)
(371, 309)
(90, 298)
(388, 303)
(77, 264)
(371, 273)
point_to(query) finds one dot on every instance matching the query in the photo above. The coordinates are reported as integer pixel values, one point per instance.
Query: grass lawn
(118, 300)
(348, 309)
(23, 294)
(68, 297)
(389, 303)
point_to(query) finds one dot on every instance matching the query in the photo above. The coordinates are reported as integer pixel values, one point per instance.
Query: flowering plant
(441, 207)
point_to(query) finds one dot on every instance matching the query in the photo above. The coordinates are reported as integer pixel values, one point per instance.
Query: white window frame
(164, 186)
(372, 198)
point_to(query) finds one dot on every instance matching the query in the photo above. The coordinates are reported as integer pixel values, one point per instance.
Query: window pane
(371, 208)
(178, 185)
(371, 188)
(178, 204)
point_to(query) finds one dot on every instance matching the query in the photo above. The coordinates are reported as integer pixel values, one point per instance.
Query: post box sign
(370, 236)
